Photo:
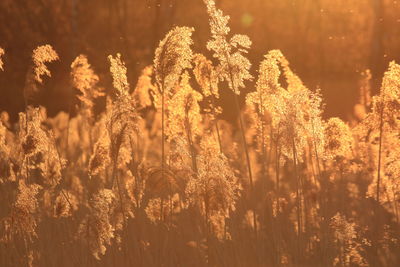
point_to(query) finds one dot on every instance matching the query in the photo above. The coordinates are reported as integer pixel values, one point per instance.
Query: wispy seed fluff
(295, 111)
(338, 139)
(145, 89)
(184, 114)
(41, 55)
(64, 204)
(388, 101)
(101, 156)
(345, 237)
(233, 65)
(118, 72)
(85, 81)
(206, 76)
(97, 229)
(22, 220)
(122, 119)
(386, 105)
(172, 56)
(260, 100)
(39, 148)
(216, 187)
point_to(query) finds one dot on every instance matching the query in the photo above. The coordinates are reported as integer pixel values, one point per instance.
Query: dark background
(329, 43)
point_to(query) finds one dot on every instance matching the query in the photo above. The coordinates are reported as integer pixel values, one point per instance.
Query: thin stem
(190, 142)
(299, 222)
(380, 152)
(247, 159)
(246, 150)
(216, 122)
(263, 142)
(277, 172)
(315, 150)
(162, 134)
(219, 136)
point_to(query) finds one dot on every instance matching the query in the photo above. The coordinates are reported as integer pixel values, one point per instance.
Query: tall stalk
(246, 150)
(381, 122)
(298, 197)
(218, 136)
(190, 142)
(162, 132)
(216, 123)
(263, 142)
(277, 169)
(245, 147)
(277, 189)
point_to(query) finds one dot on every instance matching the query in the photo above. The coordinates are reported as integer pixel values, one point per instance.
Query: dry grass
(158, 179)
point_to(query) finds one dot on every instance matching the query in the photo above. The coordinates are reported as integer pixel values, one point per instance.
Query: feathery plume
(64, 204)
(259, 101)
(85, 81)
(22, 220)
(338, 139)
(97, 227)
(123, 116)
(233, 65)
(184, 113)
(40, 153)
(118, 72)
(206, 76)
(385, 113)
(145, 89)
(172, 56)
(216, 187)
(346, 239)
(100, 157)
(41, 55)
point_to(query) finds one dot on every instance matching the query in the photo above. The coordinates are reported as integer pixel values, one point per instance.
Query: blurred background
(328, 43)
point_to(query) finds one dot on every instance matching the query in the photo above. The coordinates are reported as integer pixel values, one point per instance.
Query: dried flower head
(142, 95)
(216, 187)
(296, 112)
(349, 248)
(338, 139)
(97, 228)
(85, 81)
(158, 209)
(100, 157)
(233, 65)
(172, 56)
(122, 118)
(65, 204)
(41, 156)
(22, 220)
(118, 72)
(206, 76)
(387, 103)
(390, 171)
(386, 106)
(259, 102)
(184, 110)
(268, 79)
(41, 55)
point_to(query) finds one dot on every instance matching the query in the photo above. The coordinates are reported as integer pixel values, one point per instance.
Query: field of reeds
(159, 179)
